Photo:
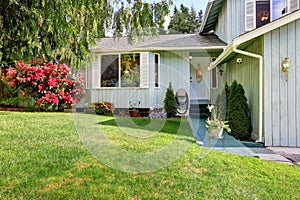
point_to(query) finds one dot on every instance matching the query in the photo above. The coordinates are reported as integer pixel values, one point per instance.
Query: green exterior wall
(247, 74)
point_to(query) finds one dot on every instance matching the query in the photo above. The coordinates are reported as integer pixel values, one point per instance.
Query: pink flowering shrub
(50, 85)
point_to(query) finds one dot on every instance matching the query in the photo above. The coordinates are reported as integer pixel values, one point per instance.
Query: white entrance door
(199, 78)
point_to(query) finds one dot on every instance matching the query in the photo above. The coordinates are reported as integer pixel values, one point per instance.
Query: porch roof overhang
(247, 37)
(206, 42)
(210, 17)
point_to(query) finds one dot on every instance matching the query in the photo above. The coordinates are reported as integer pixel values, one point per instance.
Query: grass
(42, 156)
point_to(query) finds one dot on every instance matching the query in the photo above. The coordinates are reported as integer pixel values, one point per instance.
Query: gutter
(233, 48)
(260, 112)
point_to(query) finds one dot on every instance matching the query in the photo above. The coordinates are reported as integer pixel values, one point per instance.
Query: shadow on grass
(170, 126)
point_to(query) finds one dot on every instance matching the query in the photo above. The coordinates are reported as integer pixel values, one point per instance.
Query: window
(130, 70)
(109, 70)
(121, 70)
(261, 12)
(156, 70)
(279, 8)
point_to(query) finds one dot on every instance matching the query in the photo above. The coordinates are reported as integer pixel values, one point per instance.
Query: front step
(199, 111)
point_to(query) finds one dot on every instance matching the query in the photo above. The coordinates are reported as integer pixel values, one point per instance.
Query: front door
(200, 78)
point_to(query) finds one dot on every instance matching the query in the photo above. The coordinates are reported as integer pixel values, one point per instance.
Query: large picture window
(121, 70)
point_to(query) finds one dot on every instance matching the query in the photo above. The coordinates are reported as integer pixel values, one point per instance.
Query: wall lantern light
(285, 67)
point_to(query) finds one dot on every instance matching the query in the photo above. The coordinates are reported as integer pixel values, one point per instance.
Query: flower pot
(215, 132)
(133, 113)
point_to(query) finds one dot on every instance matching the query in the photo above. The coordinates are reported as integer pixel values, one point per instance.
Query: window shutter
(96, 73)
(250, 21)
(293, 5)
(144, 70)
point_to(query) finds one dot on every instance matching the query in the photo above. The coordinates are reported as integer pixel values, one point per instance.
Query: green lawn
(42, 156)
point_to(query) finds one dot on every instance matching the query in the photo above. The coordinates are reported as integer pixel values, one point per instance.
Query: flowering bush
(50, 85)
(214, 121)
(104, 108)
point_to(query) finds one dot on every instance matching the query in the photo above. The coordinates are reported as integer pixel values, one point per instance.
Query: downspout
(260, 115)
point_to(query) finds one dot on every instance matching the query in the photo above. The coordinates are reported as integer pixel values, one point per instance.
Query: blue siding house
(243, 40)
(262, 35)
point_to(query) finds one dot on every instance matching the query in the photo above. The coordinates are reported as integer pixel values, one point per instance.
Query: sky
(197, 4)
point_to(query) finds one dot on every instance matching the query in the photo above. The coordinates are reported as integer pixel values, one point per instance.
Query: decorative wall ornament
(198, 73)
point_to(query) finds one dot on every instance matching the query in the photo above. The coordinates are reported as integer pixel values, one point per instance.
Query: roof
(211, 15)
(161, 42)
(246, 37)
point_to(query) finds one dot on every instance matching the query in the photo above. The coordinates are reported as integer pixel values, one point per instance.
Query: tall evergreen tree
(185, 20)
(238, 112)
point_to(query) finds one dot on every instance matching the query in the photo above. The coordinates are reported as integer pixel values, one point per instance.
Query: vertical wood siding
(231, 20)
(247, 74)
(281, 101)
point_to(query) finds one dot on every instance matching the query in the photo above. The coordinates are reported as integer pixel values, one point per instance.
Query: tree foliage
(185, 20)
(238, 112)
(33, 28)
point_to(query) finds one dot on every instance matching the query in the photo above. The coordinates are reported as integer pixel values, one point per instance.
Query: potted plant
(133, 112)
(214, 124)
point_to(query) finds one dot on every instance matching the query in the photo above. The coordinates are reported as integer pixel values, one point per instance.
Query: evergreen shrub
(170, 105)
(238, 112)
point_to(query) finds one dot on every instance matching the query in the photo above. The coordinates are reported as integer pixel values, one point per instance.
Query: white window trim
(119, 71)
(158, 70)
(211, 75)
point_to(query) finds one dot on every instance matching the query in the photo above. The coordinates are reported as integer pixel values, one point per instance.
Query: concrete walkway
(286, 155)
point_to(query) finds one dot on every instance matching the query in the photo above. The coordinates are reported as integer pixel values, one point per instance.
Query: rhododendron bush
(50, 85)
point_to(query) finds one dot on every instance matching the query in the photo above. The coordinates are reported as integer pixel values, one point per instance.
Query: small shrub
(11, 102)
(170, 102)
(104, 108)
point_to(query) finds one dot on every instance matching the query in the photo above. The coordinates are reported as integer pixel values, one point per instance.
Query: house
(139, 73)
(262, 36)
(250, 41)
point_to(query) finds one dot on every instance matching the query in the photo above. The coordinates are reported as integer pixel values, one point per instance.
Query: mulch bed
(12, 109)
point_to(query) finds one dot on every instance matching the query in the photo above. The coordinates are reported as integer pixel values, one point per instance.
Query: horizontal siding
(282, 105)
(121, 97)
(174, 67)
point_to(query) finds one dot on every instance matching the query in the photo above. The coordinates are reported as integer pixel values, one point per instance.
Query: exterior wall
(281, 97)
(174, 67)
(247, 74)
(231, 21)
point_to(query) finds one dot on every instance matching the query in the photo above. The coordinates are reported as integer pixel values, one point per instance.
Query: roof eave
(206, 14)
(160, 49)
